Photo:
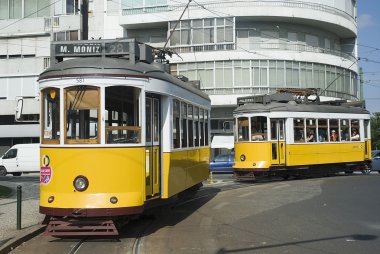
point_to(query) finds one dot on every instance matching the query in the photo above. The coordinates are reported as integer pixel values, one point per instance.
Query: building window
(202, 31)
(66, 36)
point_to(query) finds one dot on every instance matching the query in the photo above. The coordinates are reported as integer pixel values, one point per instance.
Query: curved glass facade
(262, 76)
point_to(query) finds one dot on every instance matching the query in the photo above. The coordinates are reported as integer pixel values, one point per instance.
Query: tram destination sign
(92, 48)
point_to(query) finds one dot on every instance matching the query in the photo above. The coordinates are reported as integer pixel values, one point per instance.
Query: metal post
(19, 207)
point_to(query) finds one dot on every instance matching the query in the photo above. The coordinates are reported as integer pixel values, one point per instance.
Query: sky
(369, 51)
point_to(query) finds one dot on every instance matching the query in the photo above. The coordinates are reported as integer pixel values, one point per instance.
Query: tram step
(79, 228)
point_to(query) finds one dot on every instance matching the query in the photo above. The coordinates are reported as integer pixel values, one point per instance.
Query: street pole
(19, 188)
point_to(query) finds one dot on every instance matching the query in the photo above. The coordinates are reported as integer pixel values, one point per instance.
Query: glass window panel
(258, 128)
(228, 34)
(243, 129)
(355, 130)
(197, 23)
(4, 9)
(15, 9)
(185, 24)
(185, 37)
(209, 22)
(175, 39)
(220, 34)
(198, 36)
(299, 130)
(311, 130)
(264, 77)
(344, 130)
(30, 8)
(220, 21)
(334, 130)
(51, 114)
(176, 124)
(208, 35)
(322, 130)
(184, 124)
(228, 77)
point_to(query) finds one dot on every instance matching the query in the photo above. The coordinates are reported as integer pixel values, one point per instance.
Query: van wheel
(3, 171)
(16, 174)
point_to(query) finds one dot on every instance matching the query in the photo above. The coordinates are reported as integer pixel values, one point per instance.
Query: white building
(234, 47)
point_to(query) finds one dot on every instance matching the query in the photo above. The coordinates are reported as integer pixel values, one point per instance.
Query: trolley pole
(19, 188)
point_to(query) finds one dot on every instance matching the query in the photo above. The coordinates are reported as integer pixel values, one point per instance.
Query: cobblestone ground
(29, 209)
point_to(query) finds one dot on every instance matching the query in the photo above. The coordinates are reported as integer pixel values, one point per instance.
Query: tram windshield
(122, 115)
(50, 117)
(82, 114)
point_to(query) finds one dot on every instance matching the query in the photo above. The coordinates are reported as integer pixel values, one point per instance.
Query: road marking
(281, 186)
(220, 205)
(247, 194)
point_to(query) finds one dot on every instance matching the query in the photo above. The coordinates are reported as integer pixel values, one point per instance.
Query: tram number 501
(80, 80)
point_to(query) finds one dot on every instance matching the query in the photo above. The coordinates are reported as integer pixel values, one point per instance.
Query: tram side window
(196, 125)
(122, 115)
(243, 129)
(201, 120)
(322, 130)
(176, 125)
(184, 124)
(334, 130)
(191, 126)
(355, 130)
(299, 130)
(51, 113)
(344, 130)
(311, 130)
(258, 128)
(82, 114)
(366, 129)
(206, 129)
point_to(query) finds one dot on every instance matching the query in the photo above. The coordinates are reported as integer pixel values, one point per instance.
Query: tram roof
(294, 107)
(113, 67)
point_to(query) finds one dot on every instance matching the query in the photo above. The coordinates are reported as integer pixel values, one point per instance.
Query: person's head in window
(310, 136)
(355, 135)
(334, 136)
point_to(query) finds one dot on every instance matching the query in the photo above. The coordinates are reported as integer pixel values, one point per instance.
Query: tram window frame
(122, 119)
(299, 129)
(202, 125)
(367, 129)
(322, 130)
(90, 100)
(355, 126)
(334, 126)
(260, 133)
(184, 125)
(344, 130)
(196, 126)
(311, 130)
(190, 122)
(243, 129)
(51, 99)
(176, 129)
(206, 127)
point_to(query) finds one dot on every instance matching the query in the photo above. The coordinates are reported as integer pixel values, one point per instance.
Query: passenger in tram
(334, 136)
(355, 135)
(310, 136)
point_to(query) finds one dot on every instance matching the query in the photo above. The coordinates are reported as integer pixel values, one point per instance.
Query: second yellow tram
(280, 135)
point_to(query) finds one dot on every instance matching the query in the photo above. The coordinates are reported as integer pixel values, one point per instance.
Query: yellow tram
(118, 135)
(288, 135)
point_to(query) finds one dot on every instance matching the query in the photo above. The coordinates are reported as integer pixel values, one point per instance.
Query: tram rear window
(82, 114)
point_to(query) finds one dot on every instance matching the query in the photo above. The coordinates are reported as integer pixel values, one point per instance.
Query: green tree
(375, 130)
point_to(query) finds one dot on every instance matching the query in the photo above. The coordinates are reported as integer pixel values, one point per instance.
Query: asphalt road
(323, 215)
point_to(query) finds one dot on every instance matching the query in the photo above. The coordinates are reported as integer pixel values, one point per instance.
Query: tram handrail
(124, 128)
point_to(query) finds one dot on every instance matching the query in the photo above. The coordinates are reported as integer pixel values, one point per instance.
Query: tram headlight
(81, 183)
(242, 157)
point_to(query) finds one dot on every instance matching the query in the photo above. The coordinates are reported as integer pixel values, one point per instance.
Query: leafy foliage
(375, 130)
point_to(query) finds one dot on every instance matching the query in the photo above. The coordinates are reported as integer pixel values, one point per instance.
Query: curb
(24, 236)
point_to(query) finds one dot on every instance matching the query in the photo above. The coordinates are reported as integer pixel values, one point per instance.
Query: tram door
(278, 141)
(152, 163)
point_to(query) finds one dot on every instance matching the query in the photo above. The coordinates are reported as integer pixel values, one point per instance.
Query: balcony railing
(240, 3)
(297, 47)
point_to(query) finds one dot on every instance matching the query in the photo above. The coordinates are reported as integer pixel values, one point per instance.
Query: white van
(22, 158)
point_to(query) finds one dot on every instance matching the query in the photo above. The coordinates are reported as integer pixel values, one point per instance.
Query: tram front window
(50, 118)
(122, 119)
(82, 115)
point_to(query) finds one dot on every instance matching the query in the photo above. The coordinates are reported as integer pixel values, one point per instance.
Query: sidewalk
(30, 219)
